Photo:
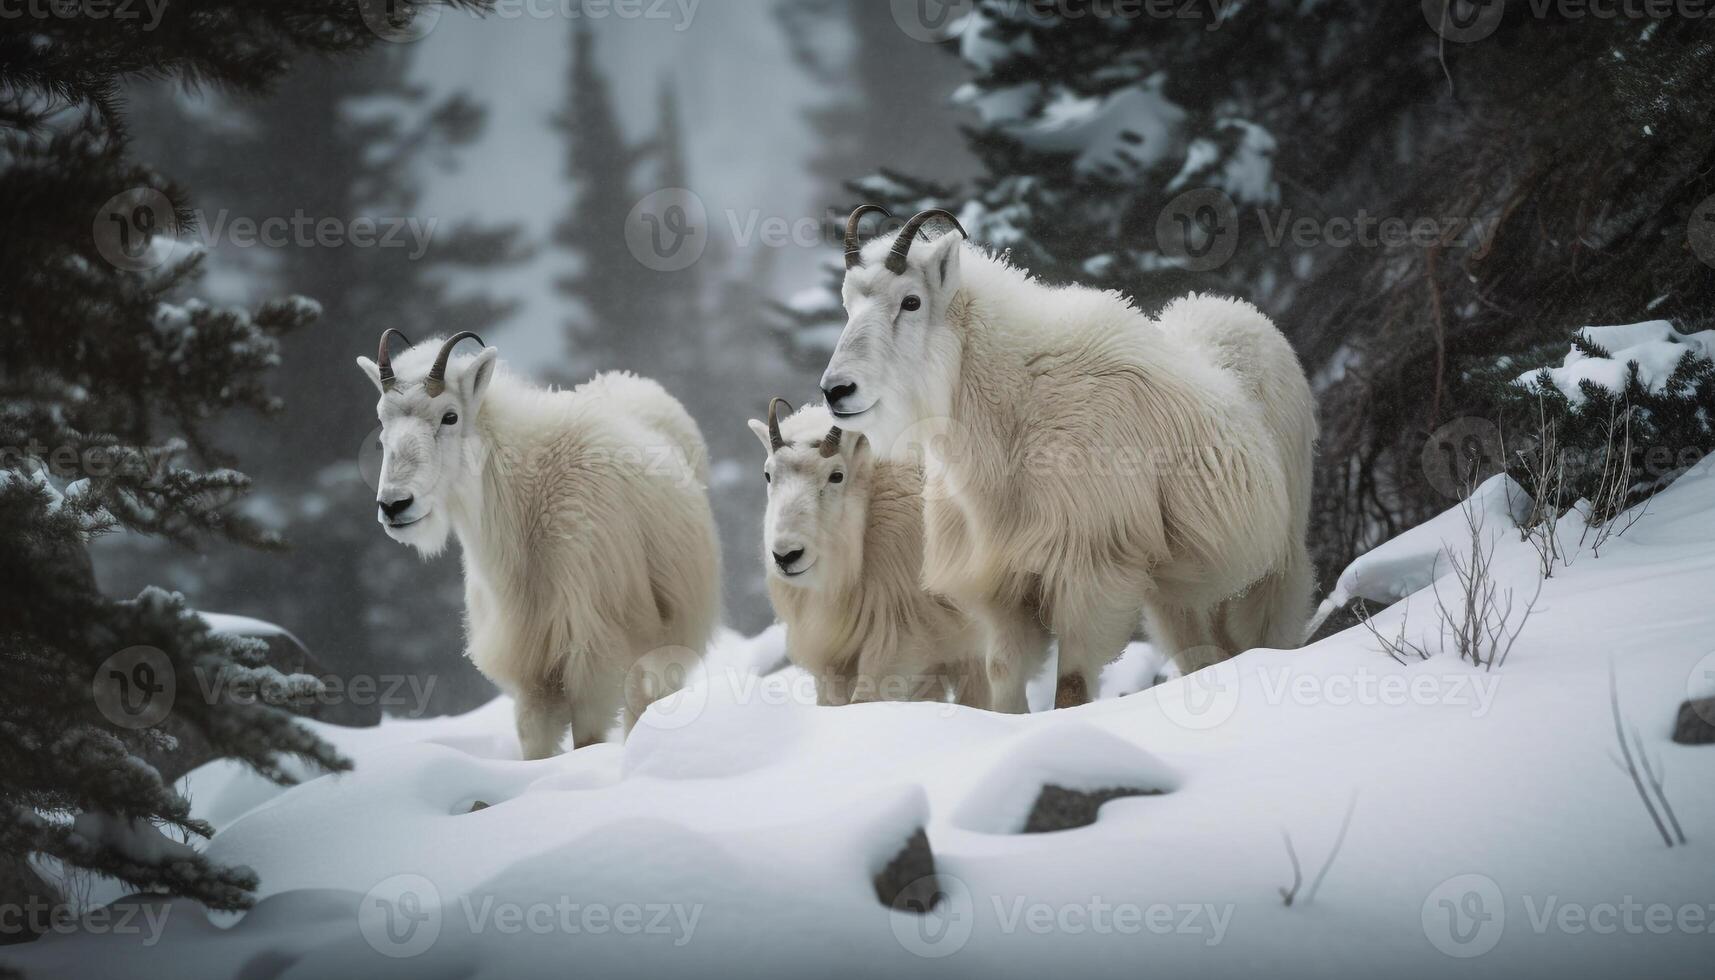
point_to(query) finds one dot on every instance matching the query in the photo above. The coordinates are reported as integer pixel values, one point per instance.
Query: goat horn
(436, 382)
(854, 254)
(774, 439)
(908, 234)
(830, 445)
(384, 360)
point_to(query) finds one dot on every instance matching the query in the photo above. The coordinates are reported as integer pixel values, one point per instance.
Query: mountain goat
(1082, 460)
(587, 537)
(843, 543)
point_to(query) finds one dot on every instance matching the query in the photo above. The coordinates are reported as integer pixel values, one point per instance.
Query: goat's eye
(451, 418)
(765, 478)
(911, 303)
(836, 477)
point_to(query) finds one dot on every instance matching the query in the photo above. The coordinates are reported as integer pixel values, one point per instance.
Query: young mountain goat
(587, 537)
(1082, 459)
(843, 544)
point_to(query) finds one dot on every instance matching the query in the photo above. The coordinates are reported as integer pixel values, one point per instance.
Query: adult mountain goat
(1083, 460)
(843, 544)
(582, 515)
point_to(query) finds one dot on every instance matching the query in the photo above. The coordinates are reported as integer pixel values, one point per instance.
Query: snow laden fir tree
(110, 387)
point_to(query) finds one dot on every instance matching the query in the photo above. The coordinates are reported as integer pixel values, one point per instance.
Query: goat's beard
(428, 537)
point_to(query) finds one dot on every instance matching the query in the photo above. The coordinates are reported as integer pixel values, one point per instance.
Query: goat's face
(818, 486)
(430, 443)
(896, 360)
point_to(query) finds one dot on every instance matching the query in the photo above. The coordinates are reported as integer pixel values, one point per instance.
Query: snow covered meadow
(1327, 811)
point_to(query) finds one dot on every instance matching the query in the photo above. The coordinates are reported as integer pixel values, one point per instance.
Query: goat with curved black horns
(589, 546)
(1083, 459)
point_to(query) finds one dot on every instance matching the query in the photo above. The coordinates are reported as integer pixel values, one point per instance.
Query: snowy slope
(1492, 831)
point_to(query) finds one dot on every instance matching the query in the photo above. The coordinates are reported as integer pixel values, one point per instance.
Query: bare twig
(1655, 785)
(1288, 894)
(1626, 753)
(1481, 628)
(1397, 647)
(1334, 852)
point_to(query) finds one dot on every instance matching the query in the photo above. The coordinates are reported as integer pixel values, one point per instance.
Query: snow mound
(1416, 558)
(1654, 346)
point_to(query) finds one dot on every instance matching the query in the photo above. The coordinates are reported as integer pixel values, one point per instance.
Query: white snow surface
(1493, 832)
(1655, 346)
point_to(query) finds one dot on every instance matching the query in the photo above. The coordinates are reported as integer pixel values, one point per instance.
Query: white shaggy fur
(585, 527)
(856, 615)
(1084, 459)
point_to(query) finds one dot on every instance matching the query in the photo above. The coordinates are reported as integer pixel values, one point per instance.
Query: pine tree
(618, 325)
(110, 389)
(352, 595)
(1576, 151)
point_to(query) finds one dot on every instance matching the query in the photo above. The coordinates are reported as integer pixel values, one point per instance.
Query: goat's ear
(473, 382)
(942, 264)
(370, 369)
(761, 430)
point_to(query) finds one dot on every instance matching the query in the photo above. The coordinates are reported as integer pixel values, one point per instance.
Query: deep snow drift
(1493, 830)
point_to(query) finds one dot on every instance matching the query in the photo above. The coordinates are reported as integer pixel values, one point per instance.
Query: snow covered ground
(1493, 831)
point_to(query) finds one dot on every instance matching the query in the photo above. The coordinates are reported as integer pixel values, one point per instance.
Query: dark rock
(909, 883)
(1696, 724)
(1059, 808)
(478, 805)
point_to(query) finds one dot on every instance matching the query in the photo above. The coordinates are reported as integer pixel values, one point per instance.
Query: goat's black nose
(785, 558)
(393, 508)
(838, 392)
